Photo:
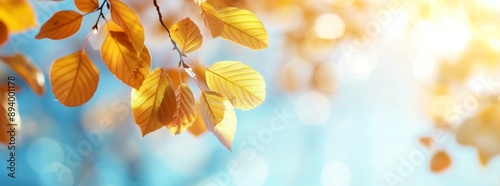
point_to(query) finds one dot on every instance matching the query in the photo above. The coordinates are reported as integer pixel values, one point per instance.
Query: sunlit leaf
(199, 70)
(244, 28)
(187, 35)
(61, 25)
(126, 18)
(86, 5)
(176, 76)
(198, 127)
(440, 161)
(185, 112)
(213, 21)
(242, 85)
(168, 106)
(219, 4)
(147, 100)
(5, 118)
(18, 15)
(122, 60)
(4, 33)
(219, 116)
(27, 70)
(74, 79)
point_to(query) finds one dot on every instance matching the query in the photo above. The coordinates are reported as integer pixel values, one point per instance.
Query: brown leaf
(27, 70)
(4, 33)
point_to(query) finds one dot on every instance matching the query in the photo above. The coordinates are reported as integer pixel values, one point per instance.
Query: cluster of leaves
(156, 100)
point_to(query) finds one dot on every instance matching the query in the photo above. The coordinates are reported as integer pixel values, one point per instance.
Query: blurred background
(359, 92)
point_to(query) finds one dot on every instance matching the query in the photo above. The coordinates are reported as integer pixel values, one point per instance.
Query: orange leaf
(176, 76)
(74, 79)
(212, 19)
(185, 112)
(198, 127)
(86, 5)
(18, 15)
(123, 61)
(61, 25)
(168, 105)
(187, 35)
(426, 141)
(4, 33)
(125, 17)
(27, 70)
(200, 70)
(147, 100)
(440, 162)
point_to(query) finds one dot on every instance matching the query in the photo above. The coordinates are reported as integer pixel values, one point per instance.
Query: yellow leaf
(244, 28)
(212, 19)
(147, 100)
(4, 33)
(185, 112)
(219, 4)
(199, 70)
(123, 61)
(176, 76)
(5, 118)
(27, 70)
(18, 15)
(86, 5)
(242, 85)
(219, 116)
(125, 17)
(168, 105)
(440, 162)
(187, 35)
(198, 127)
(74, 79)
(61, 25)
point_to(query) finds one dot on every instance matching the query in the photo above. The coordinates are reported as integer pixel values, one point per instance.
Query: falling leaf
(440, 162)
(74, 79)
(18, 15)
(176, 76)
(125, 17)
(212, 19)
(27, 70)
(185, 112)
(198, 127)
(147, 100)
(87, 5)
(4, 33)
(244, 28)
(219, 116)
(122, 60)
(187, 35)
(4, 115)
(242, 85)
(61, 25)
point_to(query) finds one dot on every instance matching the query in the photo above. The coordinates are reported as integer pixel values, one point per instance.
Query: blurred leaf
(198, 127)
(74, 79)
(440, 161)
(176, 76)
(484, 158)
(18, 15)
(219, 4)
(123, 60)
(244, 28)
(87, 5)
(219, 116)
(61, 25)
(185, 112)
(426, 141)
(199, 70)
(125, 17)
(242, 85)
(147, 100)
(213, 21)
(5, 118)
(27, 70)
(4, 33)
(187, 35)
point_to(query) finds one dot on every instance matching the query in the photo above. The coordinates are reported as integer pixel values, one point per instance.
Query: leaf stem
(95, 27)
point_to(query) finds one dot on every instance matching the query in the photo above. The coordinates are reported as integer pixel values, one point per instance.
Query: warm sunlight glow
(329, 26)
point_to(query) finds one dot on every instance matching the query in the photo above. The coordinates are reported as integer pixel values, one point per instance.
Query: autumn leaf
(18, 15)
(147, 100)
(440, 162)
(219, 116)
(244, 28)
(4, 33)
(125, 17)
(123, 61)
(168, 105)
(27, 70)
(74, 79)
(219, 4)
(199, 70)
(176, 77)
(185, 112)
(86, 5)
(213, 21)
(61, 25)
(187, 35)
(198, 127)
(242, 85)
(5, 118)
